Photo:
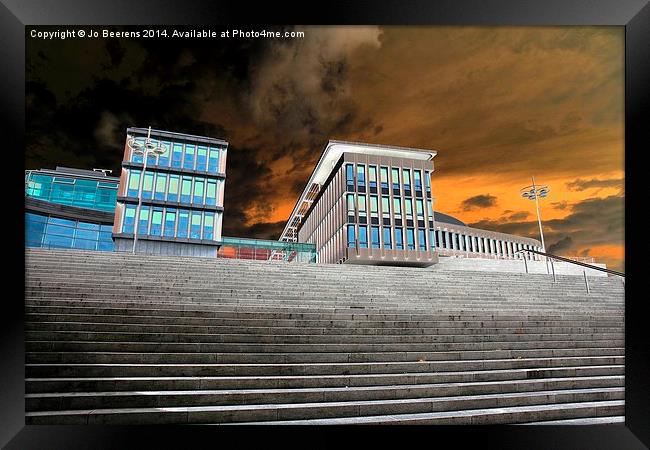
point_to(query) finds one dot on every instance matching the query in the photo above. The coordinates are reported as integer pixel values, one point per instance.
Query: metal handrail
(560, 258)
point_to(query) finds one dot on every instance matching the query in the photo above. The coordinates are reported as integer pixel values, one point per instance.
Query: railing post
(584, 272)
(525, 263)
(553, 269)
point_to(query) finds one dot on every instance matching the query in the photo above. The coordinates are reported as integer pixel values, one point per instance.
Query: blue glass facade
(56, 232)
(71, 190)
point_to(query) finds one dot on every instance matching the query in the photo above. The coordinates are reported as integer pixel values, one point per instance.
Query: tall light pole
(144, 150)
(534, 192)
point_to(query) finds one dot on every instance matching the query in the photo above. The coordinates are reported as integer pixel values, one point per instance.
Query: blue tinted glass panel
(190, 151)
(399, 242)
(147, 185)
(183, 223)
(195, 225)
(143, 223)
(349, 175)
(161, 186)
(387, 243)
(197, 198)
(351, 238)
(422, 244)
(208, 226)
(213, 161)
(129, 219)
(361, 175)
(177, 154)
(410, 238)
(163, 160)
(34, 229)
(375, 237)
(170, 222)
(172, 190)
(431, 240)
(134, 183)
(201, 158)
(186, 190)
(156, 222)
(211, 193)
(363, 237)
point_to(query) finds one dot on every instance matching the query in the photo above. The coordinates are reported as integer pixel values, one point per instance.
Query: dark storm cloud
(592, 222)
(478, 202)
(581, 185)
(519, 215)
(560, 205)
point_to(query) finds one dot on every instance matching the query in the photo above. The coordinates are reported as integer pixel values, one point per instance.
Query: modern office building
(182, 195)
(69, 208)
(372, 204)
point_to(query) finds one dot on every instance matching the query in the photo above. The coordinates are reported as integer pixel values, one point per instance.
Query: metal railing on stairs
(551, 258)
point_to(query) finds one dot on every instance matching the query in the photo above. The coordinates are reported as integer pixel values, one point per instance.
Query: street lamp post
(144, 150)
(534, 192)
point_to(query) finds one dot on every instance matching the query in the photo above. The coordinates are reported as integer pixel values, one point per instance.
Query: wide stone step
(512, 415)
(303, 357)
(150, 399)
(265, 412)
(44, 385)
(352, 368)
(183, 333)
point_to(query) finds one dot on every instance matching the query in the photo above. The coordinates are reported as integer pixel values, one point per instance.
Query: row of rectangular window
(171, 222)
(360, 206)
(69, 191)
(384, 180)
(43, 231)
(359, 235)
(185, 156)
(174, 188)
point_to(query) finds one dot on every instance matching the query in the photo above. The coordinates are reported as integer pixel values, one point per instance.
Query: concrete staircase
(128, 339)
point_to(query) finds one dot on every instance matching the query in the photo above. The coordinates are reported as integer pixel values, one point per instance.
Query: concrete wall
(515, 266)
(166, 248)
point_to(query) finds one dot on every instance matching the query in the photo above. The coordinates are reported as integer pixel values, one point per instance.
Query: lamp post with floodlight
(534, 192)
(142, 149)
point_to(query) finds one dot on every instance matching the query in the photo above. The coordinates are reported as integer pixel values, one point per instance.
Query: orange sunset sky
(499, 104)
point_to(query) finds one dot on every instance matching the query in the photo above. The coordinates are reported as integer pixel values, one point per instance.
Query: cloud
(564, 244)
(581, 185)
(560, 205)
(107, 131)
(519, 215)
(478, 202)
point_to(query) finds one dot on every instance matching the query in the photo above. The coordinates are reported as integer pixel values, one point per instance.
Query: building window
(143, 223)
(208, 226)
(349, 176)
(177, 155)
(399, 242)
(134, 183)
(183, 223)
(34, 229)
(198, 191)
(410, 239)
(129, 219)
(350, 204)
(86, 236)
(201, 158)
(408, 205)
(372, 176)
(163, 160)
(211, 194)
(172, 192)
(147, 185)
(213, 161)
(375, 237)
(351, 238)
(362, 205)
(419, 208)
(427, 183)
(188, 162)
(395, 176)
(422, 243)
(170, 222)
(407, 179)
(417, 180)
(397, 206)
(430, 209)
(161, 184)
(374, 207)
(432, 242)
(195, 228)
(385, 207)
(361, 175)
(387, 244)
(186, 190)
(156, 222)
(363, 236)
(383, 172)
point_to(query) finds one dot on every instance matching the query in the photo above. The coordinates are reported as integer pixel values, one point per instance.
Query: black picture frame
(634, 15)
